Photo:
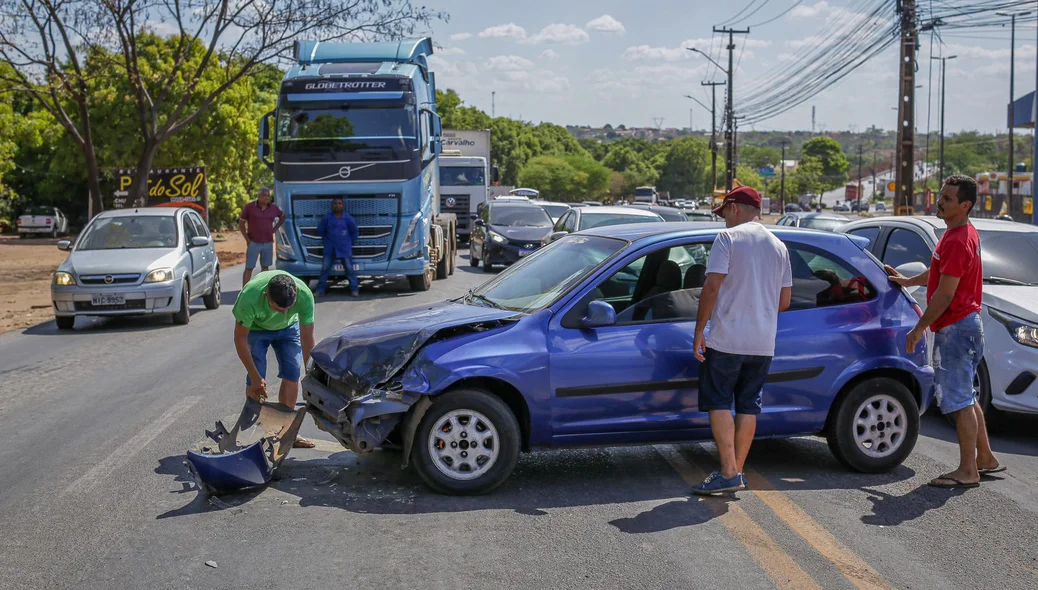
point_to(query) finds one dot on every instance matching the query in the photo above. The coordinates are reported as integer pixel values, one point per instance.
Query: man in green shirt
(274, 309)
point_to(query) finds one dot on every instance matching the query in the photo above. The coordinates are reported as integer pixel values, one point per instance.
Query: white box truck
(465, 174)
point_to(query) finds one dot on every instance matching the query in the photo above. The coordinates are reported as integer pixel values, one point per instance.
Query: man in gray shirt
(749, 281)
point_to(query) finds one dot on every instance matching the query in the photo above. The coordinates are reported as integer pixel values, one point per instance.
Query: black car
(507, 231)
(667, 213)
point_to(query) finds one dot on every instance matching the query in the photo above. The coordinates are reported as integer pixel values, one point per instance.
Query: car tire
(474, 412)
(420, 282)
(212, 298)
(487, 266)
(473, 261)
(452, 260)
(183, 316)
(889, 432)
(66, 322)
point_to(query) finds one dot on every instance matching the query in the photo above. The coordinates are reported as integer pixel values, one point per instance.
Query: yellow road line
(775, 562)
(846, 561)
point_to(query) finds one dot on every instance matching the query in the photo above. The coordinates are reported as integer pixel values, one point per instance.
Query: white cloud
(460, 36)
(681, 52)
(509, 31)
(558, 33)
(451, 51)
(811, 10)
(452, 69)
(799, 43)
(645, 81)
(605, 24)
(549, 54)
(995, 56)
(533, 82)
(509, 63)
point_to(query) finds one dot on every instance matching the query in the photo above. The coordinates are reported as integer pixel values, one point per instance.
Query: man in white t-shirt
(749, 281)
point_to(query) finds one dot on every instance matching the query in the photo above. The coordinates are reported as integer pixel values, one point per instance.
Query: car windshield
(590, 220)
(520, 217)
(116, 233)
(1009, 257)
(40, 210)
(821, 223)
(556, 211)
(461, 176)
(538, 280)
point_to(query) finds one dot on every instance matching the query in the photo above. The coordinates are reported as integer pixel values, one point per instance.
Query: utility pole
(875, 162)
(713, 134)
(493, 105)
(782, 186)
(861, 149)
(690, 121)
(940, 148)
(729, 160)
(1012, 121)
(1034, 154)
(905, 159)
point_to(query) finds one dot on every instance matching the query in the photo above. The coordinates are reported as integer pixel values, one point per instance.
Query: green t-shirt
(252, 310)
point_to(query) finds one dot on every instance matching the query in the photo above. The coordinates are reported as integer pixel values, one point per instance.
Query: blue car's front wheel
(874, 426)
(467, 443)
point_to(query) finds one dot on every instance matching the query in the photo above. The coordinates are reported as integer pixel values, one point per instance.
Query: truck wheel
(212, 298)
(467, 443)
(452, 260)
(487, 267)
(183, 315)
(473, 261)
(442, 267)
(874, 427)
(65, 322)
(420, 282)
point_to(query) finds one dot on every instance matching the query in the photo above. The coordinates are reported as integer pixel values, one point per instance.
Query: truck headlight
(64, 279)
(413, 237)
(498, 238)
(159, 275)
(283, 248)
(1023, 332)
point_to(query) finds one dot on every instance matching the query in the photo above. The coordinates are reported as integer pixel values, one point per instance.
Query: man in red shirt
(257, 225)
(954, 282)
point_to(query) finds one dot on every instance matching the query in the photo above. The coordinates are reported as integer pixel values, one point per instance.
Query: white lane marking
(131, 447)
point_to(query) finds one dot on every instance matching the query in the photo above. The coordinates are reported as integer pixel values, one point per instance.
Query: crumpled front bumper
(249, 454)
(361, 422)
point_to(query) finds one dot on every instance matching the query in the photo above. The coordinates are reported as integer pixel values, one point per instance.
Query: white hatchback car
(1009, 253)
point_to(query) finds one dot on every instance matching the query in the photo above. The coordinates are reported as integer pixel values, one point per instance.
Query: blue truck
(359, 121)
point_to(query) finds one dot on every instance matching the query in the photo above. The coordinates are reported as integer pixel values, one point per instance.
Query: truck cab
(646, 195)
(463, 187)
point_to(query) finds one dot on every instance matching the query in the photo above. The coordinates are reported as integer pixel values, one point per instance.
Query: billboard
(167, 187)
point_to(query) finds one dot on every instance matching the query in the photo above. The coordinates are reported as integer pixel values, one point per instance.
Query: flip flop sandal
(996, 469)
(955, 483)
(302, 443)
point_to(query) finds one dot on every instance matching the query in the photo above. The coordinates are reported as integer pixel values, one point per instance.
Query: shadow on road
(1014, 433)
(890, 510)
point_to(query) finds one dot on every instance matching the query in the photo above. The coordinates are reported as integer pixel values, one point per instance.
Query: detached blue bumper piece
(248, 455)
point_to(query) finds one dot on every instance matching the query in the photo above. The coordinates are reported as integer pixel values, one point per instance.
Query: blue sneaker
(715, 483)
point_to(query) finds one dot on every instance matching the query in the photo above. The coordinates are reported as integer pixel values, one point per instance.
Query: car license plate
(339, 267)
(108, 299)
(525, 252)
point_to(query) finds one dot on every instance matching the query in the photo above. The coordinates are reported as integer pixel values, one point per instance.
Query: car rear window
(822, 280)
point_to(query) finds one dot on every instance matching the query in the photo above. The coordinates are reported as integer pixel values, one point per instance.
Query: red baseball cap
(743, 195)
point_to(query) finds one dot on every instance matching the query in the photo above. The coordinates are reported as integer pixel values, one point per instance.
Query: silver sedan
(137, 261)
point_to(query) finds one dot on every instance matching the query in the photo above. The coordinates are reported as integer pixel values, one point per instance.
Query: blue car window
(904, 246)
(660, 286)
(821, 280)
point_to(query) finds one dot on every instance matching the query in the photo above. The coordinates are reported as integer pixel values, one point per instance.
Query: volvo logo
(451, 201)
(109, 279)
(345, 172)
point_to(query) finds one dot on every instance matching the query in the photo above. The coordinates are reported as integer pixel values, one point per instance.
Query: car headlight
(64, 279)
(412, 239)
(159, 275)
(498, 238)
(1023, 332)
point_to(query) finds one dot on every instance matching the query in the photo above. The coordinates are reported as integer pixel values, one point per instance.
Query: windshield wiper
(1005, 281)
(484, 299)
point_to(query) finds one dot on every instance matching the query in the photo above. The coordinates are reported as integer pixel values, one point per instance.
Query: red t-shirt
(957, 255)
(260, 222)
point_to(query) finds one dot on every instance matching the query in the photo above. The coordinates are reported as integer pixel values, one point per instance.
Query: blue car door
(635, 379)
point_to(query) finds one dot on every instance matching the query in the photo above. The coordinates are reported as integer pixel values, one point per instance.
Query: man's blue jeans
(326, 268)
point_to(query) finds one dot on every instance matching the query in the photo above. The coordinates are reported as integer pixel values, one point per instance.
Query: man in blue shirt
(338, 230)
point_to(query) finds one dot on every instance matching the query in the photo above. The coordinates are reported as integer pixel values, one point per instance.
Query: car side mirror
(479, 222)
(911, 269)
(557, 235)
(199, 241)
(65, 245)
(599, 315)
(473, 217)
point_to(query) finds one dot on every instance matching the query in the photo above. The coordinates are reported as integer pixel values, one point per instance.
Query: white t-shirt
(756, 263)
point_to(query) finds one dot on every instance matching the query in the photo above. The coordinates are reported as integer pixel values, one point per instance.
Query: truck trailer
(359, 121)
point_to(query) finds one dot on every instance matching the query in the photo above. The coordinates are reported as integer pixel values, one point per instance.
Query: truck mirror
(264, 147)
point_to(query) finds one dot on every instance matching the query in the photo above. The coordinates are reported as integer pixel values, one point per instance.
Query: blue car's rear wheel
(467, 443)
(874, 427)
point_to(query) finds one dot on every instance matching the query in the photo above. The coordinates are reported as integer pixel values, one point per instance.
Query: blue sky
(580, 62)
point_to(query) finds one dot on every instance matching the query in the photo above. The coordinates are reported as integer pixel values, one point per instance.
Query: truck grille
(375, 215)
(460, 204)
(365, 252)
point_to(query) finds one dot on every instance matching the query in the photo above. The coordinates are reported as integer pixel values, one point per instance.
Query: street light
(688, 96)
(709, 58)
(713, 143)
(940, 149)
(1012, 118)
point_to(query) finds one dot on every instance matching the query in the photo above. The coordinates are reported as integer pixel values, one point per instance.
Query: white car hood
(1021, 302)
(129, 261)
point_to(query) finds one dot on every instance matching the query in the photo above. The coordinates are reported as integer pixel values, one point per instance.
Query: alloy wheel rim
(880, 426)
(464, 444)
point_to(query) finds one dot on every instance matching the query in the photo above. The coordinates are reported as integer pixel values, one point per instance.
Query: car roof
(653, 232)
(142, 211)
(930, 223)
(516, 204)
(805, 215)
(622, 211)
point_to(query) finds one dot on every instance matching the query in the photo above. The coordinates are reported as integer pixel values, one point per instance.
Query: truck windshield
(336, 127)
(462, 176)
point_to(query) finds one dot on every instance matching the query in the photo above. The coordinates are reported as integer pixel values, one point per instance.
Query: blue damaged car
(588, 341)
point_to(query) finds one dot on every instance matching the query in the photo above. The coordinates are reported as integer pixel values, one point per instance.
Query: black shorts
(727, 379)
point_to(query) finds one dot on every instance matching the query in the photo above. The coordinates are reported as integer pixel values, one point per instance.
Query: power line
(738, 14)
(780, 15)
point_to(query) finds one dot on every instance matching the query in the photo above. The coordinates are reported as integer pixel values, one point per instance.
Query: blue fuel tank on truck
(359, 121)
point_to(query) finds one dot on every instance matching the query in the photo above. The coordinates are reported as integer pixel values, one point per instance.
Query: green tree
(749, 177)
(685, 168)
(834, 163)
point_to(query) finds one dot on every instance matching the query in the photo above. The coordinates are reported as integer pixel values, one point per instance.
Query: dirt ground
(27, 265)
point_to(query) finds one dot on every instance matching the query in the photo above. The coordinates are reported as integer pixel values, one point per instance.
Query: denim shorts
(287, 349)
(264, 251)
(727, 379)
(958, 349)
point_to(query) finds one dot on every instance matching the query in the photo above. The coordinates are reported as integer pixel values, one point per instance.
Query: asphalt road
(94, 492)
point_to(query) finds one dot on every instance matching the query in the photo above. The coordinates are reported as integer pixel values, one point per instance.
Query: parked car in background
(580, 219)
(701, 215)
(554, 210)
(793, 207)
(42, 220)
(1009, 254)
(605, 320)
(820, 221)
(136, 262)
(841, 208)
(667, 213)
(592, 203)
(506, 231)
(881, 206)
